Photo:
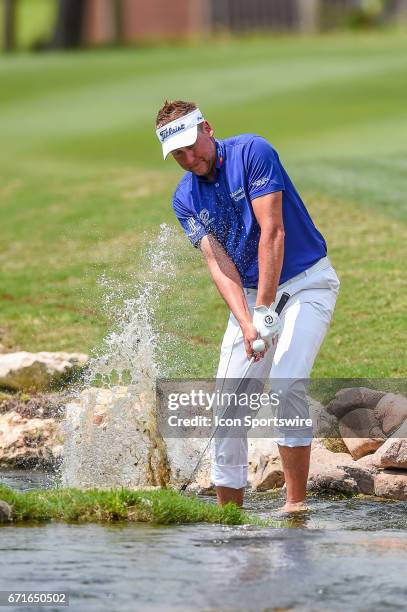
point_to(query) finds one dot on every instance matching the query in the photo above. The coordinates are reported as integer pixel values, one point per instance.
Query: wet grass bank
(160, 507)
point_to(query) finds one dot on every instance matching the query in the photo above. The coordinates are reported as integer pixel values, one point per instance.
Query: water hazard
(346, 553)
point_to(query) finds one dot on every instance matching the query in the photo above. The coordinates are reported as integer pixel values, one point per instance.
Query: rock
(359, 447)
(393, 453)
(391, 484)
(343, 479)
(391, 412)
(361, 432)
(337, 472)
(182, 456)
(36, 371)
(111, 440)
(269, 474)
(41, 405)
(367, 463)
(321, 456)
(258, 450)
(29, 442)
(352, 398)
(325, 424)
(5, 512)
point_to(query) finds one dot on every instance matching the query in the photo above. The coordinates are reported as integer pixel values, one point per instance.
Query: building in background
(100, 22)
(146, 20)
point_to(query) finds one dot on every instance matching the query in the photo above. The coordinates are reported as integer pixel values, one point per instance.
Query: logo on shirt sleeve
(261, 182)
(192, 226)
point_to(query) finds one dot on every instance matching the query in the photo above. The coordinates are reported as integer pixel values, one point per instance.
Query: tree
(9, 24)
(69, 23)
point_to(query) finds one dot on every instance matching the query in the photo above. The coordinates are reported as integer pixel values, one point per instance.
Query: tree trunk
(68, 27)
(9, 24)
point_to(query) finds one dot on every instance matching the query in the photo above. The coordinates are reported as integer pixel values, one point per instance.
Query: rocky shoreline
(360, 443)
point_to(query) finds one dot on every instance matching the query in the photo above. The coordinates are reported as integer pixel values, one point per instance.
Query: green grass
(163, 507)
(83, 188)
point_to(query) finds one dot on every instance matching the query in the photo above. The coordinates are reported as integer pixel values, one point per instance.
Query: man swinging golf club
(237, 204)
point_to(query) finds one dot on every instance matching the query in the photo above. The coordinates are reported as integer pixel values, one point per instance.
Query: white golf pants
(305, 321)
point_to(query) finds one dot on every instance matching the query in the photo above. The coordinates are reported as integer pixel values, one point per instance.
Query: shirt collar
(220, 153)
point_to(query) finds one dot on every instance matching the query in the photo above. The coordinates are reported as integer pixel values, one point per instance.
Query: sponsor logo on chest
(238, 195)
(204, 216)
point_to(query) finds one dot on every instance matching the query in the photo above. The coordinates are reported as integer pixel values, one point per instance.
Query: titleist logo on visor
(179, 125)
(167, 132)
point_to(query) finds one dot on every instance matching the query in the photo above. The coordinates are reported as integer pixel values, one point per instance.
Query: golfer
(237, 204)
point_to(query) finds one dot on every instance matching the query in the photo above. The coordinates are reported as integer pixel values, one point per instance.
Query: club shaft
(282, 302)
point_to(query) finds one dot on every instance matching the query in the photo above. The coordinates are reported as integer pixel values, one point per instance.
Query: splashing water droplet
(106, 422)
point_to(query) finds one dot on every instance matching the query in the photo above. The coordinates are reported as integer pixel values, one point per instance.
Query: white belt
(321, 264)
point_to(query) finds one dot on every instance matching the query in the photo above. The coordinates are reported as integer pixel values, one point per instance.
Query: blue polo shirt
(247, 167)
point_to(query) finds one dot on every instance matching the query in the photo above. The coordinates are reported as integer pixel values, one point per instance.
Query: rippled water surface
(345, 554)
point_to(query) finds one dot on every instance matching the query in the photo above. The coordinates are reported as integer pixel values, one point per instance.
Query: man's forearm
(271, 256)
(227, 279)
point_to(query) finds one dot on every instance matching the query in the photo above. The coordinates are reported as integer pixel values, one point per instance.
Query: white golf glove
(267, 322)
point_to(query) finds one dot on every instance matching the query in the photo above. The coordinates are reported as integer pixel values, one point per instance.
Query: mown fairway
(83, 187)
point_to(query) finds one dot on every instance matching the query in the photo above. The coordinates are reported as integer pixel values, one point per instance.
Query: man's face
(200, 157)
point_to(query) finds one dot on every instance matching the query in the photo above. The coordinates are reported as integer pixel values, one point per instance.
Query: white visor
(181, 132)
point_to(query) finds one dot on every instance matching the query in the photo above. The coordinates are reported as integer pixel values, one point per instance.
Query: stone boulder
(269, 474)
(5, 512)
(391, 412)
(343, 479)
(337, 472)
(368, 463)
(393, 453)
(361, 432)
(324, 424)
(111, 440)
(37, 371)
(28, 442)
(391, 484)
(352, 398)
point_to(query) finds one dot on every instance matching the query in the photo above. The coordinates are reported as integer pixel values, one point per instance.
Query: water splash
(129, 353)
(110, 429)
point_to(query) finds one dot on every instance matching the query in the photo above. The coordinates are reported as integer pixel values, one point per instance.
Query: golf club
(258, 347)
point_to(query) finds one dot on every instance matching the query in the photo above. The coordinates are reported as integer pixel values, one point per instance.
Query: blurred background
(61, 24)
(84, 189)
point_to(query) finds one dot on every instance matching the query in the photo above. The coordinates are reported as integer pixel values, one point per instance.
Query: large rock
(391, 412)
(393, 453)
(367, 463)
(5, 512)
(342, 479)
(361, 432)
(391, 484)
(36, 371)
(29, 442)
(111, 440)
(352, 398)
(108, 441)
(324, 424)
(337, 472)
